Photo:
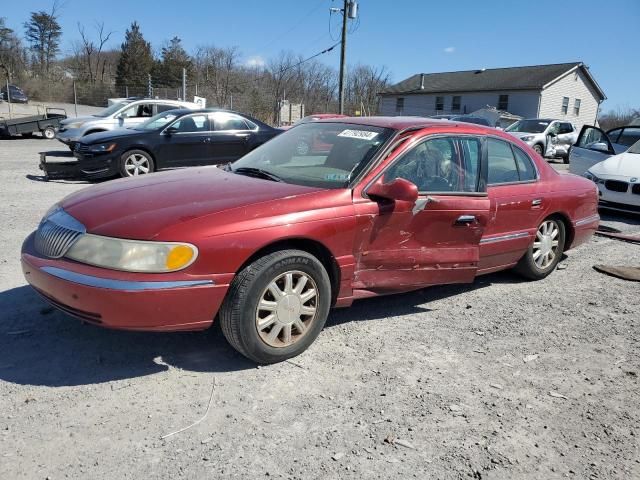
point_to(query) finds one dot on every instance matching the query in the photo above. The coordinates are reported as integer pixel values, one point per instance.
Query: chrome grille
(56, 233)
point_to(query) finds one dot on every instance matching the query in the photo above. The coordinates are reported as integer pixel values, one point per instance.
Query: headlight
(102, 147)
(73, 125)
(132, 255)
(590, 176)
(527, 138)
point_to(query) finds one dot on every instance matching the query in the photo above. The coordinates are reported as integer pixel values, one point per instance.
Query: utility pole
(350, 10)
(184, 84)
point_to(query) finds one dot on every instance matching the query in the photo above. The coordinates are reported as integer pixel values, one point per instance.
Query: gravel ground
(500, 379)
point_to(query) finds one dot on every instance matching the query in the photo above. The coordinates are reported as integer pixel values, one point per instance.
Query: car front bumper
(123, 300)
(80, 167)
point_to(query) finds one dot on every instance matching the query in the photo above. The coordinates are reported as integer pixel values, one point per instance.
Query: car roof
(396, 123)
(183, 111)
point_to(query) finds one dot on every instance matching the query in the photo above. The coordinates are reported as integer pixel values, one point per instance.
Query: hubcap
(136, 164)
(287, 308)
(545, 246)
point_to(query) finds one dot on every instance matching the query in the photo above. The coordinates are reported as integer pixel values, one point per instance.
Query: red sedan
(271, 243)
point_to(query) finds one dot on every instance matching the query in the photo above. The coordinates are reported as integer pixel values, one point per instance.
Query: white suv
(123, 114)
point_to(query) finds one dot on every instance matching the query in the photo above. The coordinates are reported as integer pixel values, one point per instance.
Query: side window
(471, 156)
(192, 123)
(591, 135)
(163, 107)
(565, 128)
(629, 136)
(436, 166)
(227, 121)
(554, 128)
(525, 166)
(501, 163)
(140, 110)
(614, 134)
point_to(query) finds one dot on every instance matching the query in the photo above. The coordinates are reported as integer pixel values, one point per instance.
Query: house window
(399, 104)
(455, 104)
(439, 104)
(503, 102)
(565, 105)
(576, 107)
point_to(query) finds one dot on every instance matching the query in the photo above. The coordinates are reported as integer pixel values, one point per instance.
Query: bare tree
(43, 32)
(91, 51)
(217, 69)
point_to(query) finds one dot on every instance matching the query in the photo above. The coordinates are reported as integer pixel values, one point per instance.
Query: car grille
(57, 233)
(616, 185)
(81, 148)
(636, 189)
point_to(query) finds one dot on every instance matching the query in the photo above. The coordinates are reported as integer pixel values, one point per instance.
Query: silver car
(123, 114)
(548, 137)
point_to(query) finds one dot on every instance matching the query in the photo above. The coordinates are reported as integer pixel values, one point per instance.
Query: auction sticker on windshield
(359, 134)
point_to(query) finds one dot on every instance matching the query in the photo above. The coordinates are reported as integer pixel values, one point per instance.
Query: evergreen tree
(43, 33)
(168, 71)
(136, 60)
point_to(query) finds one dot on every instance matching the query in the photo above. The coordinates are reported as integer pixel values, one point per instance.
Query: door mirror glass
(397, 189)
(600, 147)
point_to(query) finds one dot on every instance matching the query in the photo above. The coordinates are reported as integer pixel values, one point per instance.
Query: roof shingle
(512, 78)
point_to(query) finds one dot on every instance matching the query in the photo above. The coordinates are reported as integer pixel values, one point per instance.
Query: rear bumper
(131, 302)
(583, 230)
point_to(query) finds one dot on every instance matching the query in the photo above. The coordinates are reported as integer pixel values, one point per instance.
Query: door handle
(242, 135)
(466, 220)
(536, 203)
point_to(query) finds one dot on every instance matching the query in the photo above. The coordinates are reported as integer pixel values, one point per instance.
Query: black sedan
(16, 94)
(175, 138)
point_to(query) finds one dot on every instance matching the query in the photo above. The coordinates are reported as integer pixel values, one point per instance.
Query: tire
(134, 163)
(49, 133)
(240, 315)
(538, 149)
(530, 265)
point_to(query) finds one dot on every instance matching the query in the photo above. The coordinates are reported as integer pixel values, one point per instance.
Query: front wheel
(49, 133)
(276, 306)
(136, 162)
(538, 149)
(545, 252)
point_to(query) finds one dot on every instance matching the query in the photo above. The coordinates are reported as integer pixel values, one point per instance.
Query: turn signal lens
(178, 257)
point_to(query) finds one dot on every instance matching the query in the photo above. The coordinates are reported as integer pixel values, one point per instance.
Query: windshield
(111, 110)
(157, 122)
(326, 155)
(635, 148)
(528, 126)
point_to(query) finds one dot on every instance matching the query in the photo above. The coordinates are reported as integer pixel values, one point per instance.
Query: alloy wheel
(136, 164)
(545, 246)
(287, 308)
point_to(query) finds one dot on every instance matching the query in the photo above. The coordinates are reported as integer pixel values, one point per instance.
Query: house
(565, 91)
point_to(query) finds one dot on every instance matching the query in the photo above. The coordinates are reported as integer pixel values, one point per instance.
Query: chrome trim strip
(585, 220)
(122, 285)
(502, 238)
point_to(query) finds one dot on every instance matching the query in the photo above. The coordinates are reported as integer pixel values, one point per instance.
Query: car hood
(101, 137)
(622, 165)
(140, 208)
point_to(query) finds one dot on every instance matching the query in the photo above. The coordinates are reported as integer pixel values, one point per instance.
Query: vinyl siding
(572, 86)
(523, 103)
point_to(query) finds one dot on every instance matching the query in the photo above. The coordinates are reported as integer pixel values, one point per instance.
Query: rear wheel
(545, 252)
(276, 306)
(538, 149)
(49, 133)
(136, 162)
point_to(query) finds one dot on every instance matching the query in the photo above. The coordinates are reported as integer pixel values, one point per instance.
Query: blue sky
(406, 36)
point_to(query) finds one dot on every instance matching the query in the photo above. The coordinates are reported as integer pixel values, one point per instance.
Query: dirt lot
(500, 379)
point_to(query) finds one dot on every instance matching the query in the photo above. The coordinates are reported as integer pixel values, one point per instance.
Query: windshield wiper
(256, 172)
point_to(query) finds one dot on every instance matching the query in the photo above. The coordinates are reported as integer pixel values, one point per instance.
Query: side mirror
(600, 147)
(170, 131)
(397, 189)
